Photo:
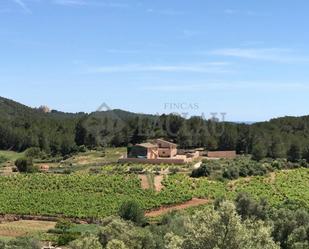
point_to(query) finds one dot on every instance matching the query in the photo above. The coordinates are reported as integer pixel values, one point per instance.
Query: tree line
(22, 127)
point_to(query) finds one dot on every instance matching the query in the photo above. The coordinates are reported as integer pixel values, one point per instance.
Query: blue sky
(248, 59)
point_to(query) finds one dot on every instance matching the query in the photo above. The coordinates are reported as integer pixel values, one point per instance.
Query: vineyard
(84, 195)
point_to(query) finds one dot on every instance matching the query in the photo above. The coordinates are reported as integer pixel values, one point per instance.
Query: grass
(24, 227)
(10, 155)
(85, 228)
(6, 239)
(93, 159)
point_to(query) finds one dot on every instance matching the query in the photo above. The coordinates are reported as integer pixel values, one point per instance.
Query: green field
(93, 195)
(10, 155)
(83, 195)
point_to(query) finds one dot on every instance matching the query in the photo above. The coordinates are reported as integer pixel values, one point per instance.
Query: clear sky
(246, 58)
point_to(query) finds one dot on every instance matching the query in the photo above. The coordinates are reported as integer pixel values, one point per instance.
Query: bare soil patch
(164, 210)
(158, 183)
(24, 227)
(144, 181)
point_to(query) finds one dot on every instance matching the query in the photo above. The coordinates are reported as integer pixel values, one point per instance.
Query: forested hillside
(22, 127)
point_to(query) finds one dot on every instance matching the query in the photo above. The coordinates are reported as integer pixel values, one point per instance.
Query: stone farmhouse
(161, 151)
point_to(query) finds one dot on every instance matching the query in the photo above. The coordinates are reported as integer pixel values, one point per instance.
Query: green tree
(228, 139)
(87, 242)
(172, 241)
(114, 228)
(291, 228)
(258, 152)
(248, 208)
(277, 149)
(294, 153)
(130, 210)
(223, 229)
(80, 132)
(116, 244)
(306, 154)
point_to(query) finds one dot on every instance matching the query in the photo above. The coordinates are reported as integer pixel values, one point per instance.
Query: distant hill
(57, 132)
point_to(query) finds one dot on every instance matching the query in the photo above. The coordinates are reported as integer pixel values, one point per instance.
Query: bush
(33, 152)
(64, 225)
(248, 208)
(82, 148)
(25, 165)
(66, 236)
(24, 243)
(204, 170)
(231, 173)
(131, 211)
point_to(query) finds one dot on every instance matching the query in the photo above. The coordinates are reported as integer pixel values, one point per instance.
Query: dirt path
(272, 177)
(164, 210)
(158, 183)
(148, 182)
(144, 181)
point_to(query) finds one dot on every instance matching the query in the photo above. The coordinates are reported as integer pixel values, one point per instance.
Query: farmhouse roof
(162, 140)
(148, 145)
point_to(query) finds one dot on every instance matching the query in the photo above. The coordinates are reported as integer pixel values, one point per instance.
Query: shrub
(33, 152)
(204, 170)
(248, 208)
(25, 165)
(66, 238)
(24, 243)
(231, 173)
(130, 210)
(64, 225)
(82, 148)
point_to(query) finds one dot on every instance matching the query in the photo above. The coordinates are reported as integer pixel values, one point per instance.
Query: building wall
(222, 154)
(174, 151)
(152, 161)
(164, 152)
(166, 149)
(152, 153)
